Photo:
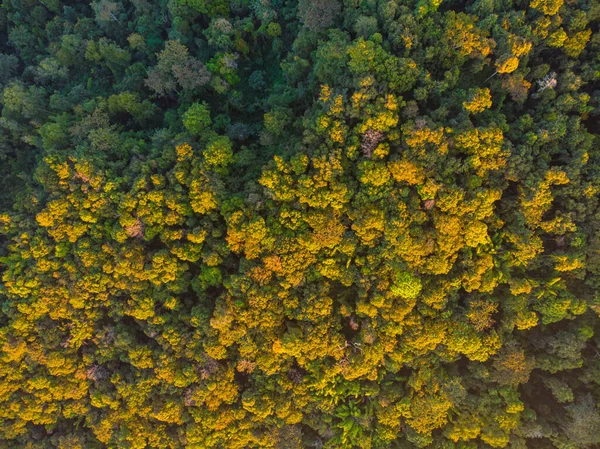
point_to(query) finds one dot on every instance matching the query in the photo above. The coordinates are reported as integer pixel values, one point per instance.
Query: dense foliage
(289, 224)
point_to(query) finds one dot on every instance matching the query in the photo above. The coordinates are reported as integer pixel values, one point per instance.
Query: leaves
(276, 224)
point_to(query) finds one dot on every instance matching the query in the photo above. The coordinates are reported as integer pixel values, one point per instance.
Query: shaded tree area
(293, 224)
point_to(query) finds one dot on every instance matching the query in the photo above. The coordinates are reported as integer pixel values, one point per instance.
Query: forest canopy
(287, 224)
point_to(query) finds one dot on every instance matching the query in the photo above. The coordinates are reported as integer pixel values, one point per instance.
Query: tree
(218, 152)
(582, 423)
(478, 100)
(512, 366)
(318, 15)
(175, 67)
(8, 67)
(197, 118)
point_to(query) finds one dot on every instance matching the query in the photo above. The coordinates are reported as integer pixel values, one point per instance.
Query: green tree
(197, 118)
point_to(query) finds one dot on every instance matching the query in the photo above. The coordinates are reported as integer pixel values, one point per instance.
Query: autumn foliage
(299, 224)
